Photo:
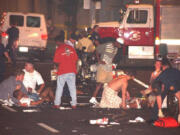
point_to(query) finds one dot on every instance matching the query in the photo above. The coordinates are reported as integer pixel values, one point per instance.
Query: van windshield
(33, 21)
(16, 19)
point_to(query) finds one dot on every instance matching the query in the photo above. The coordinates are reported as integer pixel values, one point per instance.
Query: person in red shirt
(66, 58)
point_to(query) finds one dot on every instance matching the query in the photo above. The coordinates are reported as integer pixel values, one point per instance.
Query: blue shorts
(33, 96)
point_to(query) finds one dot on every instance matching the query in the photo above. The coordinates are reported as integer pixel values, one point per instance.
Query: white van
(32, 30)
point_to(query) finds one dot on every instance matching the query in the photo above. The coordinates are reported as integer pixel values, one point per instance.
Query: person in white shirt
(31, 79)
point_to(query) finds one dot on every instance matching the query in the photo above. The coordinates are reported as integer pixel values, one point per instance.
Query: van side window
(33, 21)
(16, 19)
(137, 17)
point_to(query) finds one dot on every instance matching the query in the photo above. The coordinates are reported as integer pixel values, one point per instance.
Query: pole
(92, 13)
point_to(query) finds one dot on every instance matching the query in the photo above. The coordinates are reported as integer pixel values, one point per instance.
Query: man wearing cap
(66, 58)
(170, 80)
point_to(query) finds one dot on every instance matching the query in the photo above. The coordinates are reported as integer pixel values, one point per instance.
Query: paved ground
(76, 122)
(48, 121)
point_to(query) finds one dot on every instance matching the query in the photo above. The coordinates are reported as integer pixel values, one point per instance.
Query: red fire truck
(146, 31)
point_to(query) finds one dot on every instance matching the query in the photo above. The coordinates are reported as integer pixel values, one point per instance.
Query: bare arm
(41, 88)
(33, 103)
(124, 89)
(7, 56)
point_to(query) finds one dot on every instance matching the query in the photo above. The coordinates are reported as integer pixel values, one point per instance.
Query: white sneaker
(93, 100)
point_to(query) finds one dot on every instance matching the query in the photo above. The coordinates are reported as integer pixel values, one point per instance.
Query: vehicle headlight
(120, 40)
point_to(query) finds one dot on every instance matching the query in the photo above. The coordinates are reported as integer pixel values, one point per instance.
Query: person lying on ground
(24, 100)
(110, 98)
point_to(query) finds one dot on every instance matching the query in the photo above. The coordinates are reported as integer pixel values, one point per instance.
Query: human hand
(18, 87)
(123, 106)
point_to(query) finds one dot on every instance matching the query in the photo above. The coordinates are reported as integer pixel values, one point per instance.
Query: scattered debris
(102, 126)
(137, 120)
(114, 123)
(74, 131)
(103, 121)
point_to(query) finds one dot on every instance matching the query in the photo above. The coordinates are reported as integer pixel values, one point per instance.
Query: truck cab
(146, 31)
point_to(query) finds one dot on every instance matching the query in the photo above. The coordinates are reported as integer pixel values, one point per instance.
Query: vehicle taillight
(44, 36)
(4, 35)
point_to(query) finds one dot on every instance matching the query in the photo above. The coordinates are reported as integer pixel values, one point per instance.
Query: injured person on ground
(25, 101)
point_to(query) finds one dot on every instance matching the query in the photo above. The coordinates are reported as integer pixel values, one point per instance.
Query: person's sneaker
(73, 107)
(55, 106)
(93, 100)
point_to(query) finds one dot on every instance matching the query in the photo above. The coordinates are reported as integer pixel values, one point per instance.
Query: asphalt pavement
(44, 120)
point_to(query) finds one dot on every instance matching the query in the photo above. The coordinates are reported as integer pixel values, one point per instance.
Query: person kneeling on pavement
(110, 98)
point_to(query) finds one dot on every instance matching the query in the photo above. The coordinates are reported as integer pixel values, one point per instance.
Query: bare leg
(47, 94)
(98, 87)
(51, 95)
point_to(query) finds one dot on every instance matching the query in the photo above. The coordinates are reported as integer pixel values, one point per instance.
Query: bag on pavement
(166, 122)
